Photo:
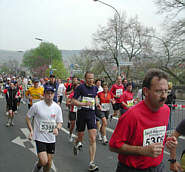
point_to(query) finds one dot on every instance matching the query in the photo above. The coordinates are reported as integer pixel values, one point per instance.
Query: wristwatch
(172, 160)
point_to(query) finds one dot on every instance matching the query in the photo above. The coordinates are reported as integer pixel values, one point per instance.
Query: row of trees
(122, 40)
(44, 59)
(11, 67)
(138, 44)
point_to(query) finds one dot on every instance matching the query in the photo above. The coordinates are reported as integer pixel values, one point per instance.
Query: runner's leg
(47, 167)
(92, 144)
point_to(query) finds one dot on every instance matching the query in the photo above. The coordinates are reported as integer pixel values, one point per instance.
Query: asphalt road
(18, 153)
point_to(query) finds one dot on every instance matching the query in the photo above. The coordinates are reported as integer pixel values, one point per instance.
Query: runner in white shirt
(61, 91)
(47, 121)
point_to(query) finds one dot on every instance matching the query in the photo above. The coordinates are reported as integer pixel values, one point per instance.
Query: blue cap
(35, 80)
(49, 88)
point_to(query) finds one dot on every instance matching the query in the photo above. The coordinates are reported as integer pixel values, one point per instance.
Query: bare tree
(172, 7)
(130, 37)
(174, 37)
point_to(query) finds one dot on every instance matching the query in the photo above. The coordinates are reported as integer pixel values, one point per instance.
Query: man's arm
(152, 150)
(78, 103)
(28, 121)
(58, 127)
(174, 165)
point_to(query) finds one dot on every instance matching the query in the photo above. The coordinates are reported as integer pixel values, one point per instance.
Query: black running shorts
(102, 114)
(72, 116)
(121, 167)
(86, 117)
(13, 107)
(116, 106)
(45, 147)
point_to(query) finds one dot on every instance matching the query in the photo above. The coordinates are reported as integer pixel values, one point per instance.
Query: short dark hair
(151, 74)
(105, 84)
(88, 72)
(97, 80)
(74, 77)
(52, 76)
(128, 84)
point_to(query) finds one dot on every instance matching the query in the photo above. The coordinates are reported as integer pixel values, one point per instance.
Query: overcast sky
(69, 24)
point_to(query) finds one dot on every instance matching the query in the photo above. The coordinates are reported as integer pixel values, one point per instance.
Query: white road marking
(19, 141)
(67, 132)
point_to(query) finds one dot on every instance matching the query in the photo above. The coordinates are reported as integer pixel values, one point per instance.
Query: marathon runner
(98, 124)
(34, 93)
(70, 89)
(127, 99)
(6, 86)
(61, 91)
(86, 116)
(117, 92)
(54, 84)
(12, 94)
(140, 134)
(105, 98)
(47, 123)
(72, 111)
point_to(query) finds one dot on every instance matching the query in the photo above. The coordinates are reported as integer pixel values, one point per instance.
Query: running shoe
(77, 148)
(93, 166)
(111, 116)
(68, 125)
(35, 168)
(12, 124)
(8, 124)
(104, 140)
(99, 136)
(70, 138)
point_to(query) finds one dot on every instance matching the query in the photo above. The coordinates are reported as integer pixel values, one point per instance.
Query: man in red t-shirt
(117, 93)
(127, 99)
(103, 108)
(140, 134)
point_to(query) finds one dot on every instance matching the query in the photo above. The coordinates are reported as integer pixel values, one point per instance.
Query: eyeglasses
(159, 92)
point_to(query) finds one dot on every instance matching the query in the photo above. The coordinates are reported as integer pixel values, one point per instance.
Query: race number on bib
(130, 103)
(75, 109)
(89, 99)
(154, 135)
(105, 106)
(35, 100)
(119, 92)
(47, 126)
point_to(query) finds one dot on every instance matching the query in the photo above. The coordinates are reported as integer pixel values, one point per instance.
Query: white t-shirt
(139, 94)
(61, 89)
(100, 89)
(45, 120)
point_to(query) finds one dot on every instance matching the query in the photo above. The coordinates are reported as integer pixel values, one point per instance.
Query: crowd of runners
(138, 138)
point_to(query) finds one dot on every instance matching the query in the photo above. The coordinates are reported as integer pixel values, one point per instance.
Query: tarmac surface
(18, 154)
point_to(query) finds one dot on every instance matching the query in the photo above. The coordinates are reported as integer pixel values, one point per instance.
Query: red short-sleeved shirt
(71, 109)
(117, 90)
(127, 96)
(104, 99)
(140, 126)
(20, 88)
(5, 91)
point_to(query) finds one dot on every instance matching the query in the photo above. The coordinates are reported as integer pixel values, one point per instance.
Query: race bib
(47, 126)
(154, 135)
(130, 103)
(35, 100)
(105, 106)
(75, 109)
(119, 92)
(89, 99)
